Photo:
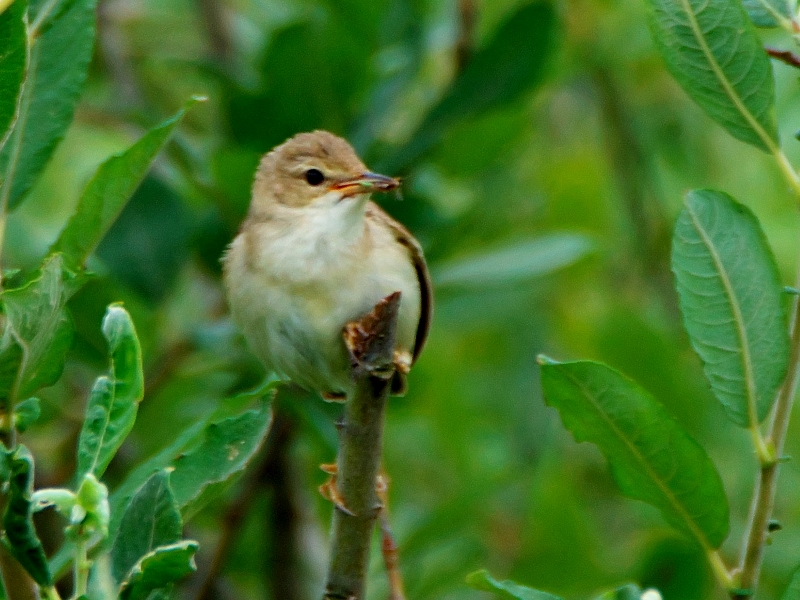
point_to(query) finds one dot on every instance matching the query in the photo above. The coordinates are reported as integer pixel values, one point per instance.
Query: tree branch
(370, 342)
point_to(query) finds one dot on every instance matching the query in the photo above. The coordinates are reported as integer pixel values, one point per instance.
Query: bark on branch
(370, 342)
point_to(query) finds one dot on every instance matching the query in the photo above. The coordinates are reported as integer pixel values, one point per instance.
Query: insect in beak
(366, 183)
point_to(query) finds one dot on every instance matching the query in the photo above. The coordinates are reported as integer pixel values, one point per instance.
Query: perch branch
(370, 342)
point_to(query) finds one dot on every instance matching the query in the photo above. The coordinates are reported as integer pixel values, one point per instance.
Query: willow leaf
(730, 296)
(652, 458)
(712, 49)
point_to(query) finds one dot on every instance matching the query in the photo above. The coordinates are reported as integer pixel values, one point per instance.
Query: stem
(371, 345)
(720, 570)
(787, 170)
(82, 565)
(764, 499)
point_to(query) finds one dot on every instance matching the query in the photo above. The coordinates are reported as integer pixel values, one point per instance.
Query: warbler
(314, 254)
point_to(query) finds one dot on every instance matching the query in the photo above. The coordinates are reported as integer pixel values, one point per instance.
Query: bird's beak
(366, 183)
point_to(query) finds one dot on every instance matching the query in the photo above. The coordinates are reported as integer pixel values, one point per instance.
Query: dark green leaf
(514, 262)
(159, 568)
(20, 535)
(730, 295)
(152, 519)
(712, 49)
(652, 458)
(793, 591)
(38, 332)
(510, 65)
(114, 400)
(252, 424)
(13, 55)
(112, 185)
(57, 66)
(26, 413)
(768, 13)
(508, 590)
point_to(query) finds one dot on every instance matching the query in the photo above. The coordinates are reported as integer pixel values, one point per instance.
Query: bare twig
(391, 556)
(787, 56)
(370, 342)
(465, 45)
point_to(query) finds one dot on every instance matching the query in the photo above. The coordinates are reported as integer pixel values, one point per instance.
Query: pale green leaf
(730, 297)
(651, 456)
(113, 401)
(111, 187)
(713, 50)
(513, 262)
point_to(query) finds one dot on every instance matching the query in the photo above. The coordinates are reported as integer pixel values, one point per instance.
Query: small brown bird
(315, 254)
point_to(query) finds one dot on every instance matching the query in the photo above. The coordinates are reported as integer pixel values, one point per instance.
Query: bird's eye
(314, 176)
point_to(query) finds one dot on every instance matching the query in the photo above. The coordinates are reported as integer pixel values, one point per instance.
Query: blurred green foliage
(521, 129)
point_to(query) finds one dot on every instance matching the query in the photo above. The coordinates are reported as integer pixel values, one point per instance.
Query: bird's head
(316, 168)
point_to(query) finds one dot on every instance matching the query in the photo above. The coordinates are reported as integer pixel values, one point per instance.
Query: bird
(314, 254)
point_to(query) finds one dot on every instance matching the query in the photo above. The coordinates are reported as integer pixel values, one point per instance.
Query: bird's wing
(403, 236)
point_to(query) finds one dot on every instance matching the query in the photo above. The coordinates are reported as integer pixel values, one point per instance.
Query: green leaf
(508, 590)
(112, 185)
(20, 535)
(509, 66)
(793, 591)
(159, 568)
(113, 401)
(730, 297)
(712, 49)
(514, 262)
(152, 519)
(38, 332)
(57, 67)
(224, 449)
(184, 455)
(769, 13)
(13, 55)
(652, 458)
(626, 592)
(26, 413)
